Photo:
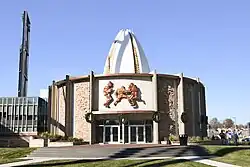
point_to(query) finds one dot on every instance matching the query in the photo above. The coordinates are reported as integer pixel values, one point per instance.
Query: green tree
(228, 123)
(215, 123)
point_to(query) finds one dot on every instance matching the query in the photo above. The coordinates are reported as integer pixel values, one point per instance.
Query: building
(22, 116)
(128, 103)
(44, 94)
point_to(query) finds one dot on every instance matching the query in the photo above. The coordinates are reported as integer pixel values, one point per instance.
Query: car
(246, 139)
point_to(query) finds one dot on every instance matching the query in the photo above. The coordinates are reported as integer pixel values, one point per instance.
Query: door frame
(136, 127)
(111, 134)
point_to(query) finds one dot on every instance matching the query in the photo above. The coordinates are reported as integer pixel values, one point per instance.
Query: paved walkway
(124, 151)
(207, 161)
(114, 152)
(203, 160)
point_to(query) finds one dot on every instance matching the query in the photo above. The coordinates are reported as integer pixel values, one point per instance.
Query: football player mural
(131, 94)
(120, 93)
(107, 91)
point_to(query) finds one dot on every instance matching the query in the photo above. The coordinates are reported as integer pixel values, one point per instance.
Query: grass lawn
(237, 155)
(8, 155)
(122, 163)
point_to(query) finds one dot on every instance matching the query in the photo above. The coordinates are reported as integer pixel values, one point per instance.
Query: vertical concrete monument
(24, 57)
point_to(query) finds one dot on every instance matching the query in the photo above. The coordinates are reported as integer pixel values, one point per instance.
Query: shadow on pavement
(130, 153)
(152, 163)
(127, 152)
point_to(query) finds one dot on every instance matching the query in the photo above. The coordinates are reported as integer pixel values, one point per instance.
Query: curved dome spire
(126, 55)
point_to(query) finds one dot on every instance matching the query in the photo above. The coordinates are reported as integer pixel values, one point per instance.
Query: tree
(215, 123)
(228, 123)
(240, 126)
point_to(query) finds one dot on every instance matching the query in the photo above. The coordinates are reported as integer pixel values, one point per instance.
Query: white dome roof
(126, 55)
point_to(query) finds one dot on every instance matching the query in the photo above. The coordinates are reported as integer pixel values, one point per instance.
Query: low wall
(59, 144)
(36, 142)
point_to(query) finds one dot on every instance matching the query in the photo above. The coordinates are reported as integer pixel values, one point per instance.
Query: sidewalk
(24, 162)
(202, 160)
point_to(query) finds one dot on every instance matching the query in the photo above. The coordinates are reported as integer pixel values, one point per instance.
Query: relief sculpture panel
(167, 97)
(108, 91)
(131, 94)
(125, 95)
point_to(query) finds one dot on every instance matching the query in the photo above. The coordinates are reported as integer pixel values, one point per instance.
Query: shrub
(197, 139)
(77, 141)
(58, 138)
(44, 134)
(173, 138)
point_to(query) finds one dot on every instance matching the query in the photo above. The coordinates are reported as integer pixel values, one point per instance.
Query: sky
(205, 39)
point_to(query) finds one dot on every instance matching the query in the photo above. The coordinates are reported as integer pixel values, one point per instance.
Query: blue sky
(209, 39)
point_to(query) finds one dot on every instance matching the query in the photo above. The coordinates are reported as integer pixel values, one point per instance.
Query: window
(29, 117)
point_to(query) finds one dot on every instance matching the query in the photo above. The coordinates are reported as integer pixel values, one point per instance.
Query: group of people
(228, 136)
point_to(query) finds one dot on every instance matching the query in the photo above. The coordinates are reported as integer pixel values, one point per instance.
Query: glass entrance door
(137, 134)
(111, 134)
(107, 134)
(133, 134)
(140, 134)
(115, 134)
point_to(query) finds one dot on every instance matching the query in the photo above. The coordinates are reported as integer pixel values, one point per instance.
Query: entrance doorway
(137, 134)
(111, 134)
(132, 132)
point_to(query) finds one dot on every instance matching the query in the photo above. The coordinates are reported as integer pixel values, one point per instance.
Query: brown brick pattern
(61, 100)
(82, 129)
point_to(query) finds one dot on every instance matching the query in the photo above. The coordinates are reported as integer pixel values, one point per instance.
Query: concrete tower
(24, 57)
(126, 55)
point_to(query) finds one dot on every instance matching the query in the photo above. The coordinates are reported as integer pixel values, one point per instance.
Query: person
(213, 138)
(226, 138)
(229, 136)
(222, 136)
(236, 137)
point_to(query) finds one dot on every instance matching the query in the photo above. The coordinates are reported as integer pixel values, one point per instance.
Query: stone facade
(61, 119)
(167, 105)
(188, 108)
(168, 90)
(82, 129)
(195, 106)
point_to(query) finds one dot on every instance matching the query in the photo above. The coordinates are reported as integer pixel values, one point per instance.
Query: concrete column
(181, 105)
(49, 109)
(123, 130)
(92, 131)
(155, 95)
(193, 111)
(68, 108)
(53, 117)
(71, 106)
(53, 109)
(199, 104)
(56, 118)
